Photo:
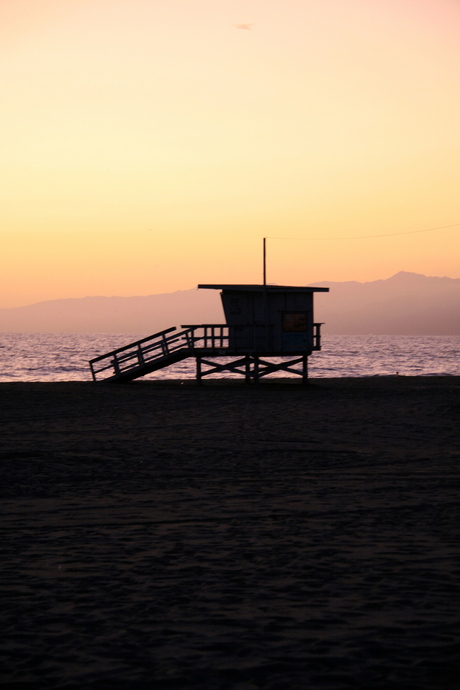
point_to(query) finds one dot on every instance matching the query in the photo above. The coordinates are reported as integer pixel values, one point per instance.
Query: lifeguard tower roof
(262, 288)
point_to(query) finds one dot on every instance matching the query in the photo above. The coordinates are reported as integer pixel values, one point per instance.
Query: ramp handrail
(210, 335)
(160, 345)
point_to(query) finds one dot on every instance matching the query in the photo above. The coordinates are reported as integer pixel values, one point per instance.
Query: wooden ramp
(213, 348)
(158, 351)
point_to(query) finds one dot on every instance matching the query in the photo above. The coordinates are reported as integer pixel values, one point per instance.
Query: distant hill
(134, 315)
(406, 304)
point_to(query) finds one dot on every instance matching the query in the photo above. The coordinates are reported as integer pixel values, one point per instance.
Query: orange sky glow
(149, 145)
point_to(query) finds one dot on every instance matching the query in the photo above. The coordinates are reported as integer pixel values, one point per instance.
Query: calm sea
(56, 357)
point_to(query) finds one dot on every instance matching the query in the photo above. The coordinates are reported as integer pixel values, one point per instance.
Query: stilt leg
(256, 369)
(305, 370)
(248, 369)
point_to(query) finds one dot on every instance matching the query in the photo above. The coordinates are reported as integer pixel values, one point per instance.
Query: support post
(198, 370)
(305, 370)
(247, 363)
(256, 369)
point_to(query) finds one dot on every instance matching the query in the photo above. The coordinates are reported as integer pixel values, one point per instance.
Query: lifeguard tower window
(295, 322)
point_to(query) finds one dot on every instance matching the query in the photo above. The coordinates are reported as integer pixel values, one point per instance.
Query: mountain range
(405, 304)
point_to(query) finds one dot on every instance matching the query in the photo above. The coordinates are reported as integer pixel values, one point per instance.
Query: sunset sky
(149, 145)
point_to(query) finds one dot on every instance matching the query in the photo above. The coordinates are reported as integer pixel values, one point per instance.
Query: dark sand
(160, 535)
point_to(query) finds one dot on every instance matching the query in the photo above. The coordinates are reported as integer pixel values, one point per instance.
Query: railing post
(318, 336)
(140, 355)
(116, 364)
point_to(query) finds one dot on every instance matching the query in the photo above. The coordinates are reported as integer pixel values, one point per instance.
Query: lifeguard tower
(268, 329)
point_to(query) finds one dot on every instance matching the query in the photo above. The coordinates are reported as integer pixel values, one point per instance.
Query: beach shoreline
(162, 534)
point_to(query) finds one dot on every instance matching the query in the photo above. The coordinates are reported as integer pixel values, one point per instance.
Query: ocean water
(64, 357)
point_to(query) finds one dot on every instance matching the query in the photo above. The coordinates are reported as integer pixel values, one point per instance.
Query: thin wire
(365, 237)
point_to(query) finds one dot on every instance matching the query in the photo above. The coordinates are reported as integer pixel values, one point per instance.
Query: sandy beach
(280, 536)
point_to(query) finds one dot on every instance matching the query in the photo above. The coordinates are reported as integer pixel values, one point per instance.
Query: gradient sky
(149, 145)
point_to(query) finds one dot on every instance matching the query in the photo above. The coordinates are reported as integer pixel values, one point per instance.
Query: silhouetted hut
(270, 319)
(262, 321)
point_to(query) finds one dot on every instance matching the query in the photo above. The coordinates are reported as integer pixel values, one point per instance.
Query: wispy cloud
(247, 27)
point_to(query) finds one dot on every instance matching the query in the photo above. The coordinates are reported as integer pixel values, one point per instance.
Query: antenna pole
(265, 260)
